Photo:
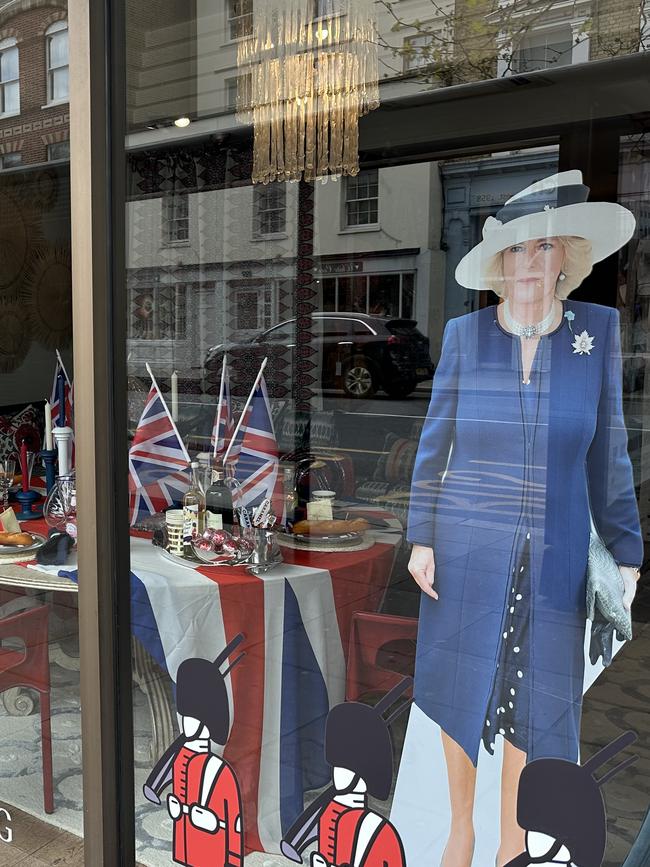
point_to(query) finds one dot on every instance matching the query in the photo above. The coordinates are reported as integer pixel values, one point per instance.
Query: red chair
(381, 652)
(29, 666)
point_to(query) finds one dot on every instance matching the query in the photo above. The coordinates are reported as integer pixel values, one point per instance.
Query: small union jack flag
(224, 422)
(258, 464)
(158, 461)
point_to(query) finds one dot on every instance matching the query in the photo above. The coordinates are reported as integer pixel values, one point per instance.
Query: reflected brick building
(34, 113)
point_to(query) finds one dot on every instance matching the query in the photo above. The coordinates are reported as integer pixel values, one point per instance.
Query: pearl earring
(561, 276)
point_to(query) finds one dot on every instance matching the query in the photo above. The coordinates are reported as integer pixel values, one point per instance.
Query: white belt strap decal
(369, 826)
(210, 774)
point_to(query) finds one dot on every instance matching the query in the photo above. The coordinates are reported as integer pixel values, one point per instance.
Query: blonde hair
(577, 265)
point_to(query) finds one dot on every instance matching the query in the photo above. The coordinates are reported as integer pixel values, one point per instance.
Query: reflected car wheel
(358, 379)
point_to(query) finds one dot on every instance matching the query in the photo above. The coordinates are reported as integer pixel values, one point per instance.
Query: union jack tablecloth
(296, 620)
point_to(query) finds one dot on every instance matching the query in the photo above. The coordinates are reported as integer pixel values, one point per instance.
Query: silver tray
(333, 539)
(192, 563)
(24, 549)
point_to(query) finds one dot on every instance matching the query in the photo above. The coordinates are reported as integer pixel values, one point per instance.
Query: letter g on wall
(6, 832)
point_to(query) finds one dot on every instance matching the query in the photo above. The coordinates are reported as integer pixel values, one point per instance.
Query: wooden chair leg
(46, 742)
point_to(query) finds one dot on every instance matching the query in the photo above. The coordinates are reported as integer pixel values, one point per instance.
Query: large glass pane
(41, 802)
(409, 373)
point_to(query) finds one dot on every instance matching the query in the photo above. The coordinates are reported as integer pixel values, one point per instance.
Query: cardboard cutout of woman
(205, 801)
(524, 431)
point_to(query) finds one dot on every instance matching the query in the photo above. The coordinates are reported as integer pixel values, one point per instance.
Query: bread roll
(18, 539)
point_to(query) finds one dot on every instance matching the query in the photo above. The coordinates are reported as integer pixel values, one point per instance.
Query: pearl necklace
(527, 330)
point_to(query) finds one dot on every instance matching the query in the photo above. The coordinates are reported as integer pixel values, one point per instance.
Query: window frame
(170, 201)
(424, 39)
(346, 225)
(537, 39)
(7, 45)
(231, 25)
(16, 165)
(55, 144)
(181, 296)
(53, 32)
(259, 212)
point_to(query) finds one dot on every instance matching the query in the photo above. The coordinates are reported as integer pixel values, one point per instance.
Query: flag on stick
(224, 422)
(258, 464)
(158, 460)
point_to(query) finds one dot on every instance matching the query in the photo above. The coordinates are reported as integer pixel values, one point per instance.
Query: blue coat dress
(500, 474)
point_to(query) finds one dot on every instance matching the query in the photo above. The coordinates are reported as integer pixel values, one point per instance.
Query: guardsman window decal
(560, 806)
(359, 749)
(205, 801)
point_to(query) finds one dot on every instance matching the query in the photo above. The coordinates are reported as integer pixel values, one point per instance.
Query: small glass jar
(175, 519)
(320, 507)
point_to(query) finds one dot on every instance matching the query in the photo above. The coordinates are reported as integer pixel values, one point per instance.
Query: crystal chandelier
(307, 74)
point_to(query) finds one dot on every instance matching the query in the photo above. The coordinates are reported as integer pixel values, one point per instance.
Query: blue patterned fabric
(489, 478)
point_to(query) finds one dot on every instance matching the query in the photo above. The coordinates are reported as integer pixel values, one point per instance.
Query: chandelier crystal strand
(304, 83)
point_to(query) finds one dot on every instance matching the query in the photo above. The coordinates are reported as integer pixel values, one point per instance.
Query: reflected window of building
(59, 150)
(57, 61)
(543, 49)
(254, 304)
(175, 219)
(11, 161)
(362, 199)
(269, 210)
(325, 8)
(377, 294)
(9, 77)
(158, 311)
(418, 51)
(233, 86)
(240, 18)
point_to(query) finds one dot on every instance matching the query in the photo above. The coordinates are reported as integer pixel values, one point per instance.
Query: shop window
(240, 18)
(269, 210)
(158, 312)
(376, 294)
(362, 199)
(176, 219)
(57, 61)
(329, 293)
(543, 50)
(59, 150)
(408, 296)
(383, 295)
(9, 77)
(352, 295)
(10, 161)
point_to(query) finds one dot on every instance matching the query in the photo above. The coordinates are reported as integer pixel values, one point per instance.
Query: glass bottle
(219, 513)
(291, 498)
(193, 507)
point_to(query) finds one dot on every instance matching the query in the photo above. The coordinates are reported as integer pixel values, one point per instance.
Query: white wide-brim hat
(552, 207)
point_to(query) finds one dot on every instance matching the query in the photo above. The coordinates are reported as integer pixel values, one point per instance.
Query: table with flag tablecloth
(296, 622)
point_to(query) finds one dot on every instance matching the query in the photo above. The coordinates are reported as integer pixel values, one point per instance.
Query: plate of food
(334, 532)
(20, 543)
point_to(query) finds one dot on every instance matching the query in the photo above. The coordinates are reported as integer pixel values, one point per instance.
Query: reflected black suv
(358, 353)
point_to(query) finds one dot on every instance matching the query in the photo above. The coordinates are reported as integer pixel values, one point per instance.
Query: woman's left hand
(630, 577)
